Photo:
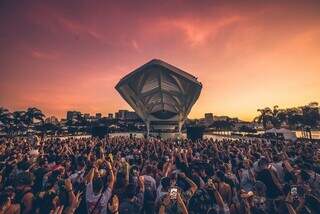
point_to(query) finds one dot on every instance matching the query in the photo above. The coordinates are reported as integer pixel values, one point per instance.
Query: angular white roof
(158, 91)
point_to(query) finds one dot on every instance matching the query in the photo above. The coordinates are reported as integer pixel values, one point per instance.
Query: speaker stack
(195, 133)
(99, 131)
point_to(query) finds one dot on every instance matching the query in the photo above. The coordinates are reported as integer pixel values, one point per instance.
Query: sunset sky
(69, 55)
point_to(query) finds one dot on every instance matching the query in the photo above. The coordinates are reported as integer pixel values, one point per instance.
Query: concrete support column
(180, 127)
(148, 128)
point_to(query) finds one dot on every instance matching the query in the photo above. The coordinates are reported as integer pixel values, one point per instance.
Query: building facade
(126, 115)
(73, 115)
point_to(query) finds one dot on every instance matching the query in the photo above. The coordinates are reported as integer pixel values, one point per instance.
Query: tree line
(305, 117)
(19, 121)
(33, 119)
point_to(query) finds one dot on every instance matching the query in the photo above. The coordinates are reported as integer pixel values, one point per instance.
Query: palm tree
(18, 122)
(4, 116)
(265, 117)
(279, 116)
(313, 105)
(274, 116)
(311, 117)
(305, 117)
(34, 114)
(294, 117)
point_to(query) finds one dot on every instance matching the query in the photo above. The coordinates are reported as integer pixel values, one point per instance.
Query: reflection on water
(314, 134)
(184, 135)
(214, 135)
(299, 134)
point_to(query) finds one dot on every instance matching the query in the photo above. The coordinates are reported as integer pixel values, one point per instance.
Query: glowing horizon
(60, 56)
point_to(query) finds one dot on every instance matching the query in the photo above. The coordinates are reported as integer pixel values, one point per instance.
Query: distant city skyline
(205, 115)
(62, 55)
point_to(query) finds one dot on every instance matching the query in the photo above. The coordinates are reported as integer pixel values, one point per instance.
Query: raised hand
(68, 184)
(141, 183)
(166, 200)
(109, 166)
(57, 210)
(76, 201)
(179, 199)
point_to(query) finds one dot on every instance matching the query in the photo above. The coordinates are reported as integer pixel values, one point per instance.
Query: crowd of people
(123, 175)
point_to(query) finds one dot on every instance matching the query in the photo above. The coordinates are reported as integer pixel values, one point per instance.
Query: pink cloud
(43, 55)
(198, 32)
(78, 28)
(83, 48)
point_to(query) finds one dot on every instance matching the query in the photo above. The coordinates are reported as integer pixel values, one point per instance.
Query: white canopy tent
(287, 134)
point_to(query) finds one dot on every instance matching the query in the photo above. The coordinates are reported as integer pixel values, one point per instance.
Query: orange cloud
(198, 32)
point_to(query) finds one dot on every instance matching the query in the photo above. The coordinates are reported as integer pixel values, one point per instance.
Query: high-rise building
(98, 115)
(86, 116)
(126, 115)
(122, 114)
(131, 115)
(52, 120)
(110, 116)
(208, 117)
(223, 118)
(73, 115)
